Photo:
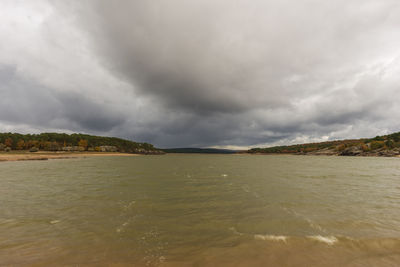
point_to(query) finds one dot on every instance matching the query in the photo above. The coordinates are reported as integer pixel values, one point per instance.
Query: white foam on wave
(233, 229)
(55, 221)
(224, 175)
(281, 238)
(330, 240)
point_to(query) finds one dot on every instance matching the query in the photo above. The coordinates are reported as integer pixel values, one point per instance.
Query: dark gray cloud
(25, 102)
(202, 73)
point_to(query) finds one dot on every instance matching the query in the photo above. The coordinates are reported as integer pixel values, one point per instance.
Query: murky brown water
(201, 210)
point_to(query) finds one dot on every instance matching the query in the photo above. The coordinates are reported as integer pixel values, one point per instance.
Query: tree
(20, 144)
(83, 143)
(8, 142)
(54, 146)
(377, 144)
(389, 143)
(54, 141)
(365, 148)
(340, 147)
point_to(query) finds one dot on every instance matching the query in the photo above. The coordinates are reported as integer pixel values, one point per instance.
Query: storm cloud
(202, 73)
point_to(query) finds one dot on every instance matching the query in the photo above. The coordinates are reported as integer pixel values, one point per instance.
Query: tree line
(367, 144)
(58, 141)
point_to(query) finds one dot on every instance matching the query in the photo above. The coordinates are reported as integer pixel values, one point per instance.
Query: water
(201, 210)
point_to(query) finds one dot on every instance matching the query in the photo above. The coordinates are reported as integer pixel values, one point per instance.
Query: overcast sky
(221, 73)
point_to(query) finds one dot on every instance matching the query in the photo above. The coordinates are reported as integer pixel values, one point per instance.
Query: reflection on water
(201, 210)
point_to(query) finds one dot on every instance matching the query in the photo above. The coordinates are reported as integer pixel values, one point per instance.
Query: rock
(387, 153)
(323, 152)
(33, 149)
(108, 149)
(351, 151)
(73, 148)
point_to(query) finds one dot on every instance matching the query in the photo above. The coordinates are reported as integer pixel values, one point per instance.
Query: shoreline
(325, 155)
(25, 155)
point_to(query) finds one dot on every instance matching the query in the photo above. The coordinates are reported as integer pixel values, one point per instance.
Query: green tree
(389, 144)
(377, 144)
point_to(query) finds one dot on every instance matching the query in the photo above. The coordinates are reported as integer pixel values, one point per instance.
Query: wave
(271, 237)
(330, 240)
(233, 229)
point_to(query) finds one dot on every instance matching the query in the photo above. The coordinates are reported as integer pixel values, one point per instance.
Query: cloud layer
(202, 73)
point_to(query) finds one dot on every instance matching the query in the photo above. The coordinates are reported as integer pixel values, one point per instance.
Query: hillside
(71, 143)
(387, 145)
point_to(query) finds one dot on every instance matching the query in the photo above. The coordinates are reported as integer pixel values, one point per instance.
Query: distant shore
(322, 154)
(25, 155)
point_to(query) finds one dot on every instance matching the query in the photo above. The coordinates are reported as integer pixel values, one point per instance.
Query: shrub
(389, 144)
(365, 148)
(340, 147)
(377, 144)
(378, 138)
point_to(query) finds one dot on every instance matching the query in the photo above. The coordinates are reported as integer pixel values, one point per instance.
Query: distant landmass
(386, 145)
(199, 150)
(72, 143)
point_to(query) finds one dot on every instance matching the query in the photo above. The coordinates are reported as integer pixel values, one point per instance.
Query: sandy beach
(25, 155)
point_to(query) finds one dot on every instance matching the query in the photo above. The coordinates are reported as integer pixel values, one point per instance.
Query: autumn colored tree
(8, 142)
(42, 144)
(83, 143)
(365, 148)
(54, 146)
(20, 144)
(32, 143)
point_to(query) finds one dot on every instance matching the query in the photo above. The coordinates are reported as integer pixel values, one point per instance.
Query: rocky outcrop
(108, 148)
(379, 146)
(389, 153)
(352, 151)
(322, 152)
(73, 149)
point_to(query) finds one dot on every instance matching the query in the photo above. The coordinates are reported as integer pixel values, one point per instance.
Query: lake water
(201, 210)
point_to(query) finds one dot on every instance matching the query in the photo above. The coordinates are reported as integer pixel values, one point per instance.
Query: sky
(201, 73)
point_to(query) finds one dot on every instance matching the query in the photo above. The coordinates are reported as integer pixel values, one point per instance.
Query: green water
(201, 210)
